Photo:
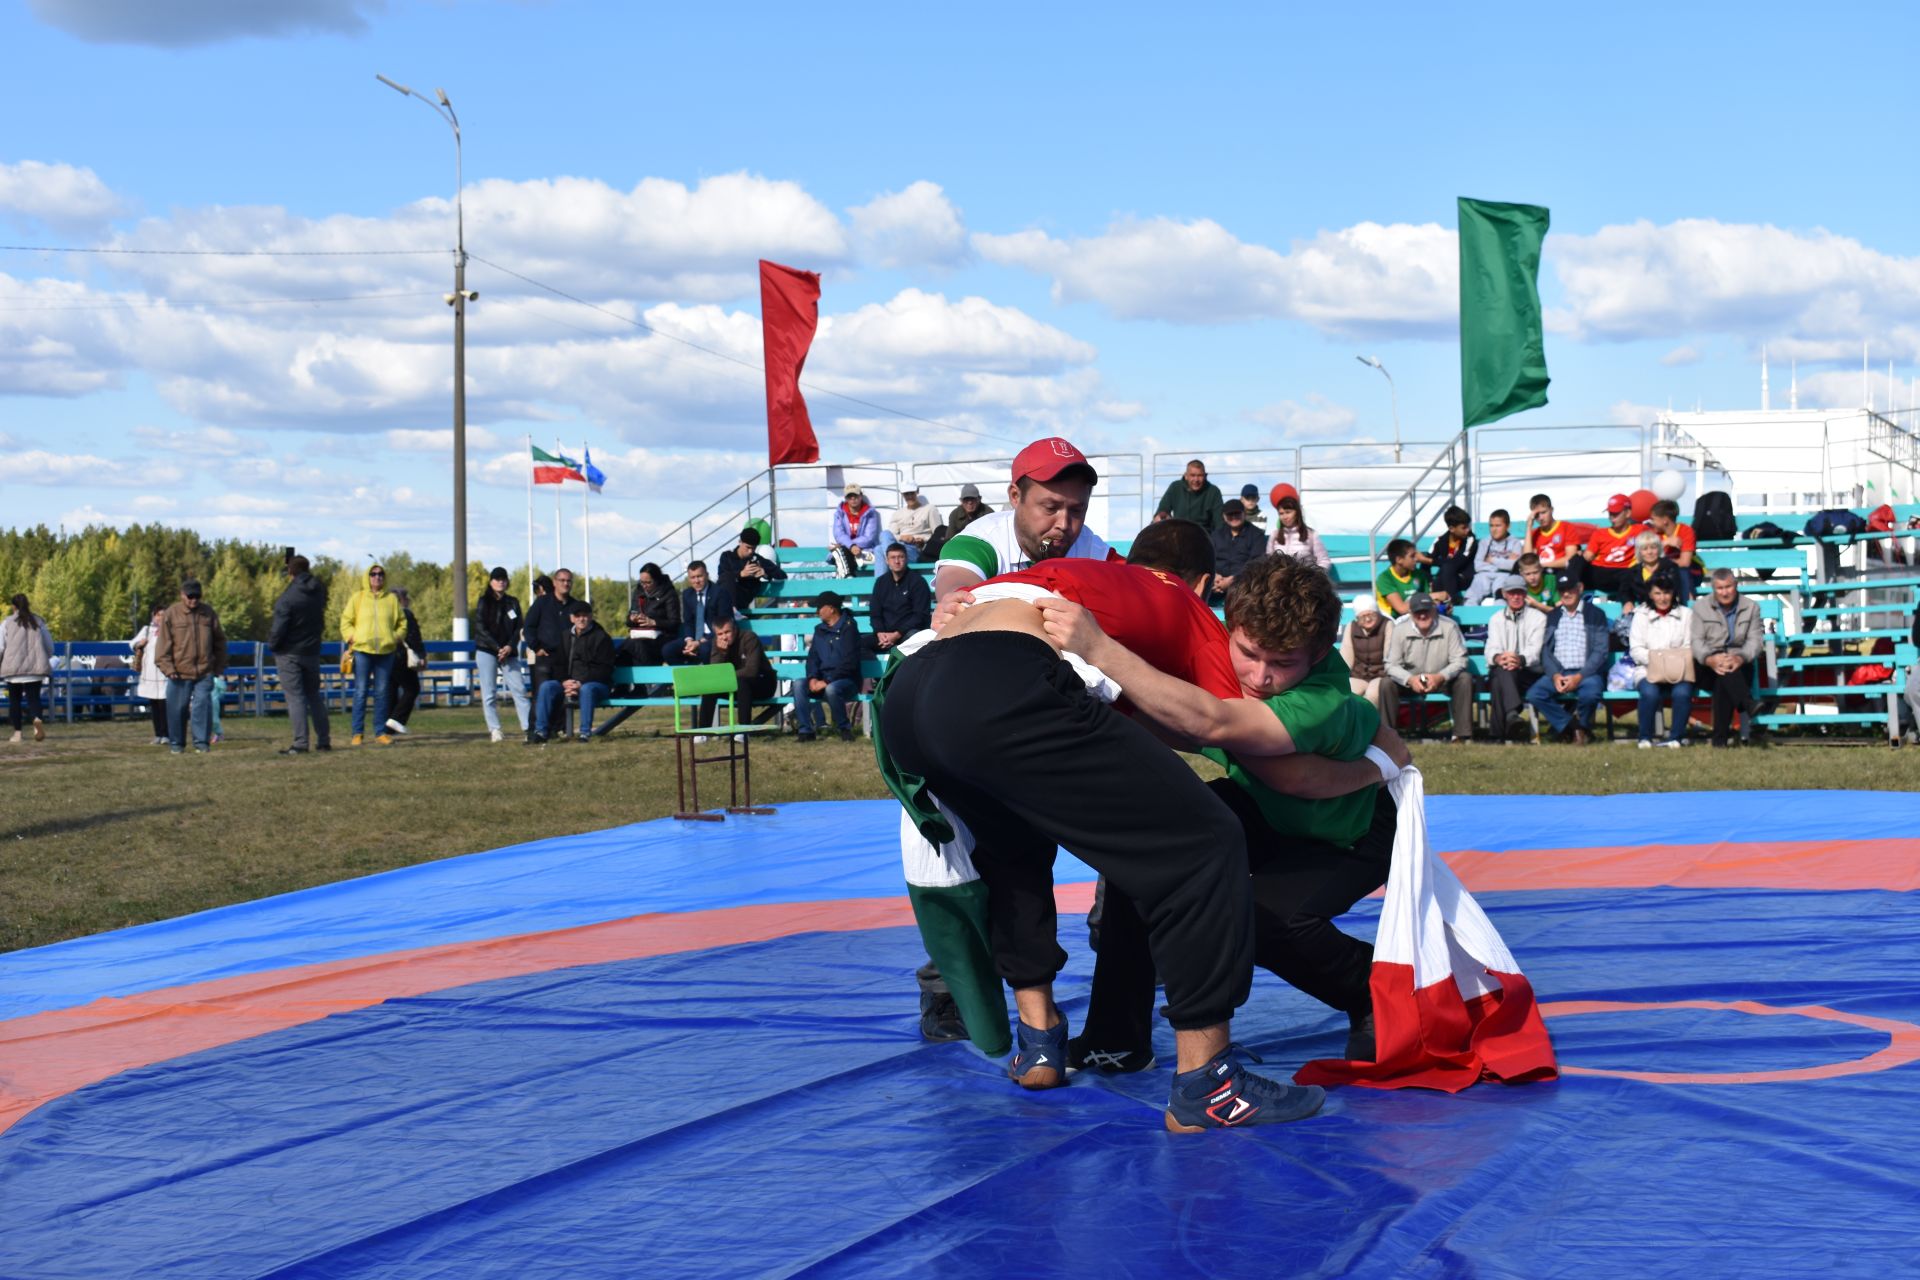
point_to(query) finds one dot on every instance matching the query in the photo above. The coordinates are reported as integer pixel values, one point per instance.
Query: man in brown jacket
(190, 651)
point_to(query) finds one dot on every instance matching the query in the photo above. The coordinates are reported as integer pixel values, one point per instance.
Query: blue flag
(595, 476)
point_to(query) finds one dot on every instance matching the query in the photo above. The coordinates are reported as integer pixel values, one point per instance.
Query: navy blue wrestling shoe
(1108, 1062)
(1040, 1059)
(1225, 1095)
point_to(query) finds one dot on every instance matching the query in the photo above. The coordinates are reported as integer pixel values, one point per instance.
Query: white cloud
(59, 196)
(84, 470)
(1316, 418)
(915, 227)
(179, 23)
(1627, 413)
(1679, 356)
(658, 239)
(439, 440)
(1368, 278)
(915, 328)
(1700, 275)
(198, 442)
(1846, 389)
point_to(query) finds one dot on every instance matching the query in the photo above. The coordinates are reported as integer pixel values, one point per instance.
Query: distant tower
(1765, 403)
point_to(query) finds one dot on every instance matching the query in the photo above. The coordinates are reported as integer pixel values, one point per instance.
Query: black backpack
(1713, 517)
(1767, 530)
(1835, 520)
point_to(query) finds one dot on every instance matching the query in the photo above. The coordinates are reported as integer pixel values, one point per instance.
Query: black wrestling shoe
(1108, 1062)
(1360, 1046)
(940, 1018)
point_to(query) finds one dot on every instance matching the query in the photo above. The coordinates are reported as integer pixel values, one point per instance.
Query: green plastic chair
(714, 679)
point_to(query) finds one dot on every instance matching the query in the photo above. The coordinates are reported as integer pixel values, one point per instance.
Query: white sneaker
(15, 737)
(1645, 745)
(1675, 743)
(158, 742)
(394, 726)
(497, 736)
(699, 738)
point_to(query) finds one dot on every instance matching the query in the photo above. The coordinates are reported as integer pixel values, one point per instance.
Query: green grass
(101, 830)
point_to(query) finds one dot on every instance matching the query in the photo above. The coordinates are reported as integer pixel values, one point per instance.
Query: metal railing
(1446, 481)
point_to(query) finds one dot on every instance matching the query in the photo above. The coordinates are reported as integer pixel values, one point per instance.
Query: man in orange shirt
(1609, 564)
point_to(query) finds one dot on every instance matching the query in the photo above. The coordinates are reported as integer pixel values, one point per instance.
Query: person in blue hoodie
(1574, 656)
(833, 669)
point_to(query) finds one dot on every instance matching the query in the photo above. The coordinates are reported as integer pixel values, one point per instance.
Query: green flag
(1503, 365)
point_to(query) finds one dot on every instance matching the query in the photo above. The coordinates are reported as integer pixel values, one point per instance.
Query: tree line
(102, 584)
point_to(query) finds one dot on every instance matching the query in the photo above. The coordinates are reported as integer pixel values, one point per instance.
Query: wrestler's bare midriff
(998, 615)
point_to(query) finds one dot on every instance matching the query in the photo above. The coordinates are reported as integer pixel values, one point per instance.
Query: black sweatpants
(1730, 693)
(406, 690)
(1010, 740)
(1299, 887)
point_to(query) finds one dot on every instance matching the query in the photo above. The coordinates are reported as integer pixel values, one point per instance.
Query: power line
(231, 253)
(748, 364)
(214, 306)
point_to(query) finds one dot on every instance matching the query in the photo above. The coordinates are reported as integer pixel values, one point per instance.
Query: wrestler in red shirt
(1149, 611)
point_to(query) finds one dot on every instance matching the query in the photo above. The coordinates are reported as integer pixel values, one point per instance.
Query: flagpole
(586, 526)
(529, 594)
(773, 510)
(559, 557)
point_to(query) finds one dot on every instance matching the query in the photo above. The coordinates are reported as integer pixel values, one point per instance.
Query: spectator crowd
(1681, 633)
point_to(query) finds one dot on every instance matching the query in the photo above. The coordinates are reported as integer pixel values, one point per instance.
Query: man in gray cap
(1427, 654)
(1514, 637)
(969, 510)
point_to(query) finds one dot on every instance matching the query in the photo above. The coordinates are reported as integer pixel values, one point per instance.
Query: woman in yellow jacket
(371, 626)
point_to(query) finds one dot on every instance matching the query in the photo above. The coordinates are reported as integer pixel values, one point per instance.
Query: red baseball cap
(1617, 503)
(1048, 459)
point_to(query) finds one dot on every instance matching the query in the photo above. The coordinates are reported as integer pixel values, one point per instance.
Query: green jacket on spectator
(1182, 503)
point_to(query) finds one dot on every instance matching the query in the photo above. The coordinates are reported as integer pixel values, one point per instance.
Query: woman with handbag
(1661, 645)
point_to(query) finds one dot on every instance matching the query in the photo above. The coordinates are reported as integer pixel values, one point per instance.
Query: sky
(1150, 230)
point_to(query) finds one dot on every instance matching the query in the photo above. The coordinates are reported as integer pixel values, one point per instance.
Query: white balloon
(1669, 484)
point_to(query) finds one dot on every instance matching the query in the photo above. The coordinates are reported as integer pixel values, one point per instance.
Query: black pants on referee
(1299, 888)
(1010, 740)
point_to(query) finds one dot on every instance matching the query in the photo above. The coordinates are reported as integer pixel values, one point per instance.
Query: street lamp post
(1374, 362)
(458, 300)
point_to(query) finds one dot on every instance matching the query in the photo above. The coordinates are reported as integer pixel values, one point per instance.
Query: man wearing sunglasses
(371, 626)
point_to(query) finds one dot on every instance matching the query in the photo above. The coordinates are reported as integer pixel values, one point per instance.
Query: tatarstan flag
(554, 468)
(1450, 1005)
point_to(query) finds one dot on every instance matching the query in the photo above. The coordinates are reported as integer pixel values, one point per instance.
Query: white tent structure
(1799, 459)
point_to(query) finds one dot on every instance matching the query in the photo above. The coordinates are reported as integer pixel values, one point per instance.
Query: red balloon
(1282, 490)
(1643, 501)
(788, 542)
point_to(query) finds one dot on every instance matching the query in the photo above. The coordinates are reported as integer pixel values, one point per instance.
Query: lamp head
(1372, 362)
(397, 88)
(442, 95)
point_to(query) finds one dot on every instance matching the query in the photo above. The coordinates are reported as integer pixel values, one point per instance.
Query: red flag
(1450, 1005)
(789, 313)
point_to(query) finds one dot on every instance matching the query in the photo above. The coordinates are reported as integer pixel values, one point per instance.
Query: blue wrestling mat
(691, 1050)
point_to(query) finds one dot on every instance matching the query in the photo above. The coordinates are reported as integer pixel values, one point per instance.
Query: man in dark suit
(704, 605)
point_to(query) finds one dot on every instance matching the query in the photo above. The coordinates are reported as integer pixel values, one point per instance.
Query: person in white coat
(1661, 646)
(152, 685)
(26, 664)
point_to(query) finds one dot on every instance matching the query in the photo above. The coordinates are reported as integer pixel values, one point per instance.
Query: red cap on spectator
(1047, 459)
(1617, 503)
(1283, 490)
